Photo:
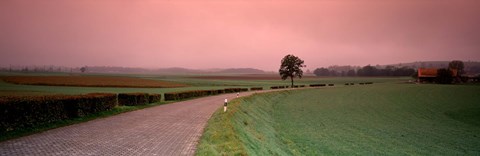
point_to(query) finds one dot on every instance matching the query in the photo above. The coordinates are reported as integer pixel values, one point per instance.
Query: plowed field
(91, 81)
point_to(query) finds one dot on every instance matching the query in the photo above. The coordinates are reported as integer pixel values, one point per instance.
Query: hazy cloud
(209, 34)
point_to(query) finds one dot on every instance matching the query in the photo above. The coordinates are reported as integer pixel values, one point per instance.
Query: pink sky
(225, 34)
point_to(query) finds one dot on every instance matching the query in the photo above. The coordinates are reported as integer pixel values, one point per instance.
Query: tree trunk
(291, 78)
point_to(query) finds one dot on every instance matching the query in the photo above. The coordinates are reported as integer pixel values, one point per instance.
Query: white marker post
(225, 106)
(238, 94)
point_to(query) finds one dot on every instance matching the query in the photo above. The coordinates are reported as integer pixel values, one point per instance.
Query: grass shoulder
(235, 132)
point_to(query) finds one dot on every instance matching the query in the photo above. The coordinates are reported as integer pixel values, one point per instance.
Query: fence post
(225, 105)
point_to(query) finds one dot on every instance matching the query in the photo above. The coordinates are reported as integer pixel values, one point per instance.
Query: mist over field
(236, 34)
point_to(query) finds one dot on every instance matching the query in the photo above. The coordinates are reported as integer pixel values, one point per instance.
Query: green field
(192, 81)
(193, 84)
(378, 119)
(390, 117)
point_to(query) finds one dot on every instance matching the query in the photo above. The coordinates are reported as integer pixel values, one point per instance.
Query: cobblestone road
(172, 129)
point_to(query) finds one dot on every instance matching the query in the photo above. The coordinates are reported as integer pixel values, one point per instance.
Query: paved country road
(171, 129)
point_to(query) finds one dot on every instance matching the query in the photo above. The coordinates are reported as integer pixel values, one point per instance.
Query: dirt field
(90, 81)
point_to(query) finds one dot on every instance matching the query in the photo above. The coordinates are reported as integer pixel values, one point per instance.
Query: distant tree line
(42, 69)
(367, 71)
(446, 75)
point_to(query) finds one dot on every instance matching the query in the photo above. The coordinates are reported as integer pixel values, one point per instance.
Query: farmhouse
(429, 74)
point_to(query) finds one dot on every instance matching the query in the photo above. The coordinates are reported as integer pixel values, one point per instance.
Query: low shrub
(133, 99)
(331, 84)
(235, 90)
(301, 86)
(154, 98)
(274, 87)
(25, 112)
(256, 88)
(318, 85)
(199, 93)
(185, 95)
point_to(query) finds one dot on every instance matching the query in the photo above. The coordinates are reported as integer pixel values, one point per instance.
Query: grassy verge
(381, 119)
(219, 137)
(236, 131)
(45, 127)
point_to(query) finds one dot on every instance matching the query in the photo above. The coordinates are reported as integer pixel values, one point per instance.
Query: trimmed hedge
(256, 88)
(133, 99)
(154, 98)
(331, 84)
(199, 93)
(235, 90)
(301, 86)
(318, 85)
(25, 112)
(188, 94)
(281, 87)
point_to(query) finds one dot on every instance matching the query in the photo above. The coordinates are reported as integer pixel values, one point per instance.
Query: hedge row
(133, 99)
(154, 98)
(24, 112)
(191, 94)
(235, 90)
(278, 87)
(281, 87)
(199, 93)
(256, 88)
(361, 83)
(321, 85)
(318, 85)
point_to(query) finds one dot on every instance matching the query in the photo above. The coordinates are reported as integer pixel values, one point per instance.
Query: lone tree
(291, 67)
(83, 69)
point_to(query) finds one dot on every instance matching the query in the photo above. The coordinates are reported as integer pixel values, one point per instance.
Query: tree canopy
(458, 65)
(291, 67)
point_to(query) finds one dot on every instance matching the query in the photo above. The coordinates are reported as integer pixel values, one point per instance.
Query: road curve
(171, 129)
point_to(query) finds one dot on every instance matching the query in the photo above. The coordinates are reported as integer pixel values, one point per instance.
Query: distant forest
(367, 71)
(401, 69)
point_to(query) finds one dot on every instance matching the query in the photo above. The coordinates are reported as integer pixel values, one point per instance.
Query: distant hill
(175, 70)
(241, 71)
